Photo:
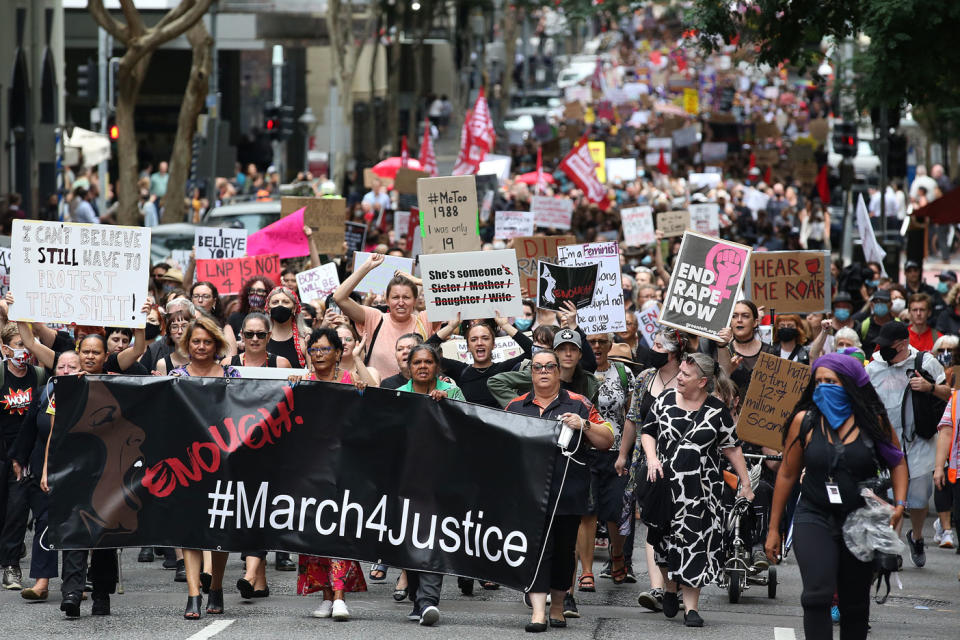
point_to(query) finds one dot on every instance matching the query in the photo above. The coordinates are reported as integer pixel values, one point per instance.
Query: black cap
(948, 275)
(891, 332)
(843, 296)
(911, 264)
(881, 294)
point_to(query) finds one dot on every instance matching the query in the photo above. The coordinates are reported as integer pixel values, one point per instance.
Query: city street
(152, 607)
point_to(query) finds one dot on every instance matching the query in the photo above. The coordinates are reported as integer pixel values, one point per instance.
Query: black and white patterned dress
(690, 551)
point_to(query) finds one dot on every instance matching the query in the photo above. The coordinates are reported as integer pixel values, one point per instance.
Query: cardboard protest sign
(401, 223)
(324, 216)
(638, 226)
(378, 279)
(406, 180)
(355, 235)
(621, 170)
(767, 130)
(789, 281)
(598, 151)
(699, 180)
(774, 392)
(84, 273)
(806, 173)
(647, 324)
(229, 274)
(704, 285)
(767, 157)
(557, 285)
(318, 283)
(504, 348)
(5, 259)
(534, 249)
(607, 311)
(474, 284)
(573, 111)
(713, 151)
(673, 223)
(370, 178)
(552, 213)
(513, 224)
(705, 218)
(211, 243)
(819, 129)
(449, 210)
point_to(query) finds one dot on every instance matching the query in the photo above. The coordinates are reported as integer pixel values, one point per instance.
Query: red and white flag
(541, 182)
(662, 165)
(404, 152)
(476, 137)
(428, 159)
(597, 82)
(579, 165)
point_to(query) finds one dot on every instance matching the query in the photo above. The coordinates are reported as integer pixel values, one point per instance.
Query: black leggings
(827, 567)
(948, 499)
(559, 557)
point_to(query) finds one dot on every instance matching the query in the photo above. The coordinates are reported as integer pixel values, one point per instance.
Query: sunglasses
(259, 335)
(549, 367)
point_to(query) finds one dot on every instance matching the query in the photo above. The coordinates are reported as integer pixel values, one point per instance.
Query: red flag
(427, 156)
(476, 138)
(541, 183)
(766, 175)
(596, 82)
(583, 171)
(823, 186)
(404, 153)
(462, 166)
(753, 160)
(662, 165)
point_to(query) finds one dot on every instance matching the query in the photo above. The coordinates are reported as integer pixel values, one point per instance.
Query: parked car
(172, 241)
(251, 216)
(575, 73)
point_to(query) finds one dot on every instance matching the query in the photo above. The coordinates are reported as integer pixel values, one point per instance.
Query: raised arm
(349, 306)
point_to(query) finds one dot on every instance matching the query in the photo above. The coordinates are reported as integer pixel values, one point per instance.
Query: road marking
(782, 633)
(213, 629)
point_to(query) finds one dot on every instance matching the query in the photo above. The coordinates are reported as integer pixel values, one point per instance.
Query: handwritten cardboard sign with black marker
(91, 274)
(475, 284)
(449, 207)
(229, 274)
(212, 243)
(775, 389)
(673, 223)
(318, 283)
(789, 281)
(606, 313)
(533, 249)
(558, 285)
(324, 216)
(704, 285)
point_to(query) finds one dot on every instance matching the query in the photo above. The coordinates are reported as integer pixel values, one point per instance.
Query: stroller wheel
(772, 583)
(734, 589)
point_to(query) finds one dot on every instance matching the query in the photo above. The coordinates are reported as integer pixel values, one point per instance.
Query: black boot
(181, 575)
(169, 558)
(101, 604)
(284, 563)
(146, 554)
(71, 604)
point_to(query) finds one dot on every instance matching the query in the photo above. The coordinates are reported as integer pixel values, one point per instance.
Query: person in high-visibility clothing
(945, 468)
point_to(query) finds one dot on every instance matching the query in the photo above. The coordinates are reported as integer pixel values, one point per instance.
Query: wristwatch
(585, 425)
(902, 503)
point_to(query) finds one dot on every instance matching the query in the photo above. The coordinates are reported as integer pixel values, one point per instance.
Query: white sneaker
(937, 531)
(948, 540)
(340, 611)
(326, 607)
(429, 616)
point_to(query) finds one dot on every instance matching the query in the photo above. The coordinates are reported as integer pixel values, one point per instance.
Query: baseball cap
(567, 336)
(891, 332)
(948, 275)
(911, 264)
(881, 294)
(842, 296)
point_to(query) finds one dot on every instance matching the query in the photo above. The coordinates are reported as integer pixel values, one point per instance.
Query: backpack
(40, 371)
(927, 408)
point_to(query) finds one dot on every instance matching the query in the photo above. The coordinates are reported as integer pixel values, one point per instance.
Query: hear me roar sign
(704, 285)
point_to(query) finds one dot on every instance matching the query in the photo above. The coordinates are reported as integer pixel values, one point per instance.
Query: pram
(742, 525)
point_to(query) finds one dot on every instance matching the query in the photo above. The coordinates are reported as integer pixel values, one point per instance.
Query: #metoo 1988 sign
(704, 285)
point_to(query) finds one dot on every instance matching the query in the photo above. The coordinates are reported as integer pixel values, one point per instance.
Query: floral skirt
(315, 573)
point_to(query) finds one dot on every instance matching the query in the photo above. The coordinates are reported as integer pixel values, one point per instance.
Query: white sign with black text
(474, 284)
(318, 283)
(638, 228)
(552, 213)
(607, 312)
(213, 243)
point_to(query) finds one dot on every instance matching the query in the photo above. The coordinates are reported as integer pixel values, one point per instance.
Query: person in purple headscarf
(840, 434)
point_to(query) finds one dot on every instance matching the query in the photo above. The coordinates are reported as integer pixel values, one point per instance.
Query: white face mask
(898, 305)
(19, 357)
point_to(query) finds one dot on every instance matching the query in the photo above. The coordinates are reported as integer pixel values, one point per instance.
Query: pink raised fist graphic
(726, 264)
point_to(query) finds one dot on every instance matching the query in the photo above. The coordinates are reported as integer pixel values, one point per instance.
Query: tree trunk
(509, 31)
(371, 150)
(129, 80)
(193, 102)
(344, 53)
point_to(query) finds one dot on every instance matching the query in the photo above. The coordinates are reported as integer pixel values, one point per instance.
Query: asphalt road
(151, 608)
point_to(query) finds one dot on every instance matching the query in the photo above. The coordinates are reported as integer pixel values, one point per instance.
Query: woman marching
(289, 333)
(686, 430)
(840, 436)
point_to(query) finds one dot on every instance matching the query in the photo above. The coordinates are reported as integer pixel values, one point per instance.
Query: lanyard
(838, 448)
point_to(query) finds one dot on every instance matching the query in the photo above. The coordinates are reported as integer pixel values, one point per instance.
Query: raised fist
(726, 264)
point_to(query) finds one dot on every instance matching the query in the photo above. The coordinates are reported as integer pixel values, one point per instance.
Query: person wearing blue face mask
(880, 314)
(948, 322)
(825, 342)
(841, 436)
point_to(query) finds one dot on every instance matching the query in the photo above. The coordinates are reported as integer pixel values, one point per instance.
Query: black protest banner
(557, 285)
(355, 235)
(230, 464)
(704, 284)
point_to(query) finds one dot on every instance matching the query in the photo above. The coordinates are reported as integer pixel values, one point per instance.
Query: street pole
(214, 109)
(526, 52)
(277, 101)
(883, 149)
(104, 45)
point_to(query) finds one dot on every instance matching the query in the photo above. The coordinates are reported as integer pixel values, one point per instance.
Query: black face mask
(657, 359)
(281, 314)
(888, 353)
(787, 334)
(151, 331)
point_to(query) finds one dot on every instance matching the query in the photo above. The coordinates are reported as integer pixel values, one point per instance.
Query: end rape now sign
(84, 273)
(704, 285)
(474, 284)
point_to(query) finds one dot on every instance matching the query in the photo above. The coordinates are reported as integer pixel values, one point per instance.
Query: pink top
(346, 378)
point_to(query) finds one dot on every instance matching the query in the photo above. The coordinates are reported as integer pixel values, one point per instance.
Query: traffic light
(287, 123)
(87, 81)
(114, 132)
(897, 156)
(271, 120)
(845, 139)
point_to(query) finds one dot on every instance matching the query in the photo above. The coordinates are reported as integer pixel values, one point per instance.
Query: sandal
(586, 582)
(490, 586)
(215, 601)
(193, 607)
(619, 576)
(378, 569)
(399, 594)
(34, 594)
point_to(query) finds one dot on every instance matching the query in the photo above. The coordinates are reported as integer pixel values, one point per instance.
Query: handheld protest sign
(449, 210)
(318, 283)
(705, 218)
(533, 249)
(558, 284)
(63, 272)
(704, 285)
(212, 243)
(475, 284)
(324, 216)
(378, 279)
(229, 274)
(513, 224)
(673, 223)
(606, 312)
(552, 213)
(355, 234)
(637, 225)
(776, 387)
(789, 281)
(406, 180)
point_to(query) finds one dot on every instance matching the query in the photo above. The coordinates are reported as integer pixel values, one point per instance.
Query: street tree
(140, 42)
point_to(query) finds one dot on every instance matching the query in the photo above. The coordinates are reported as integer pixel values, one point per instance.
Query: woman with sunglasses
(686, 430)
(253, 297)
(549, 400)
(330, 576)
(256, 331)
